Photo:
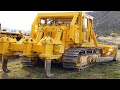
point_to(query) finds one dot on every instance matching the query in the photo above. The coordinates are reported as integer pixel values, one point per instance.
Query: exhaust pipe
(0, 26)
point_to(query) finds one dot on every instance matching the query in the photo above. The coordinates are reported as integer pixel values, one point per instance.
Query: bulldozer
(62, 37)
(10, 34)
(5, 33)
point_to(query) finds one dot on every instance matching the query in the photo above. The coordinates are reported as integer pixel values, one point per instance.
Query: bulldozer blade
(104, 59)
(48, 68)
(4, 64)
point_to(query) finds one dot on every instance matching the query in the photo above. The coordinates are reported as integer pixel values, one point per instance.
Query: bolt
(31, 40)
(26, 40)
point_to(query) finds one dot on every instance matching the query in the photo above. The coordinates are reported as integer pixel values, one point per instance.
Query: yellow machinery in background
(67, 38)
(9, 34)
(5, 33)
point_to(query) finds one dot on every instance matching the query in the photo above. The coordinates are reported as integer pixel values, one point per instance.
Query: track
(76, 58)
(80, 58)
(27, 62)
(31, 61)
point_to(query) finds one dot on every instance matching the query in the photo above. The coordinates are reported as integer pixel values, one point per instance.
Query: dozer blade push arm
(94, 38)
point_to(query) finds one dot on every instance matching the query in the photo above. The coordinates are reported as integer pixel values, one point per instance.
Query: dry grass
(109, 70)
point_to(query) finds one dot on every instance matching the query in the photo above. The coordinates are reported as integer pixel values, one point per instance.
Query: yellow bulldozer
(5, 33)
(64, 37)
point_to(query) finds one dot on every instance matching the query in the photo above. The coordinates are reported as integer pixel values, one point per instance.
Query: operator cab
(70, 22)
(51, 26)
(55, 21)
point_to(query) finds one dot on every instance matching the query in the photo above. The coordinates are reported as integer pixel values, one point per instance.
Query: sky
(19, 20)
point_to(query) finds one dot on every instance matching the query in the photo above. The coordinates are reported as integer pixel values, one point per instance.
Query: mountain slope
(106, 21)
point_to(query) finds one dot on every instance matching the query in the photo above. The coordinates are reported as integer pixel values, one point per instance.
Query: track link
(72, 58)
(27, 62)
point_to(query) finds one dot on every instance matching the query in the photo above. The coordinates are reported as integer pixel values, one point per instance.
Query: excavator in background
(66, 37)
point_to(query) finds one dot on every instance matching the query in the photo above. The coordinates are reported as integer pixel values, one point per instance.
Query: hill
(106, 21)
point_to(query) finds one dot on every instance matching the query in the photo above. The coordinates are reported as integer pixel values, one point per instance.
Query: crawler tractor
(10, 34)
(5, 33)
(67, 38)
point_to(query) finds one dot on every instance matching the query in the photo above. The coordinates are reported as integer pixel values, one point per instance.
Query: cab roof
(63, 14)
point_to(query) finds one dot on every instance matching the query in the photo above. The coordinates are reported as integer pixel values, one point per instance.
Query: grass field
(109, 70)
